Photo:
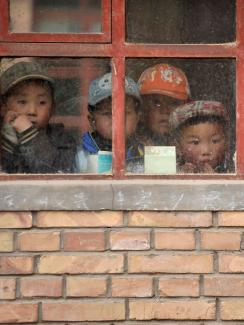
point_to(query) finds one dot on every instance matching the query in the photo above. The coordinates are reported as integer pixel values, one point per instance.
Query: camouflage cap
(13, 71)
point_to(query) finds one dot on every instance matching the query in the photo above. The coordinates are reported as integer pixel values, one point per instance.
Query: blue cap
(101, 88)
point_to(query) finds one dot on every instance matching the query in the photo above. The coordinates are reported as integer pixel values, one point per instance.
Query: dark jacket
(49, 150)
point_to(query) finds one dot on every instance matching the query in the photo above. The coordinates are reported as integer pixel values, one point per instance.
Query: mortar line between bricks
(17, 288)
(126, 266)
(155, 287)
(64, 286)
(39, 311)
(216, 262)
(62, 240)
(218, 312)
(109, 286)
(152, 238)
(215, 219)
(34, 219)
(15, 241)
(197, 240)
(107, 232)
(201, 285)
(127, 309)
(126, 219)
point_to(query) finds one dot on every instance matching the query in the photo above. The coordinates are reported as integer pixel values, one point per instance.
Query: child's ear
(3, 109)
(90, 118)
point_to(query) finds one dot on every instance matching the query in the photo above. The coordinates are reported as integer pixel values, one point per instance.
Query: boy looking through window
(29, 143)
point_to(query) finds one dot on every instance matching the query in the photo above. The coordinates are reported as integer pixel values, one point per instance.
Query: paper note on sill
(160, 160)
(100, 163)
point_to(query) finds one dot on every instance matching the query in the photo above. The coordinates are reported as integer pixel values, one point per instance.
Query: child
(163, 87)
(100, 117)
(201, 133)
(29, 144)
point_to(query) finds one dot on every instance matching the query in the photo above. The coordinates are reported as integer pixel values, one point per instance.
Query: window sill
(171, 195)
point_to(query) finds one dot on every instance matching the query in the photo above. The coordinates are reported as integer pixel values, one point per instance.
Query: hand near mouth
(21, 123)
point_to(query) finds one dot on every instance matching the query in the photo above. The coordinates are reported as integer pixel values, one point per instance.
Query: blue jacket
(93, 142)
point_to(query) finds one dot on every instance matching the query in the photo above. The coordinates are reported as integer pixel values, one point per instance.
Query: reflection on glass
(56, 16)
(180, 21)
(43, 120)
(187, 118)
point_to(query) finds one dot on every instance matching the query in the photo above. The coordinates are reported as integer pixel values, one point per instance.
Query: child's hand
(21, 123)
(207, 169)
(188, 168)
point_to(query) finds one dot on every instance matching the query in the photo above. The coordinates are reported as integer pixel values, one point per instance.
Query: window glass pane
(44, 114)
(186, 118)
(180, 21)
(56, 16)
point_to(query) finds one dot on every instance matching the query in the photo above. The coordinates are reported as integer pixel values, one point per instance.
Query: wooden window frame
(103, 37)
(118, 50)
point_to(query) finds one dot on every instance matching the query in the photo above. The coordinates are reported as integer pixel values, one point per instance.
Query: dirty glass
(186, 120)
(56, 16)
(45, 113)
(180, 21)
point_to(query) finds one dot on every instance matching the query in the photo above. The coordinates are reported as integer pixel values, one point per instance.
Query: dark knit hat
(14, 71)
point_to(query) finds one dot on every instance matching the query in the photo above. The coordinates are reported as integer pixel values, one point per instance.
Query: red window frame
(118, 50)
(103, 37)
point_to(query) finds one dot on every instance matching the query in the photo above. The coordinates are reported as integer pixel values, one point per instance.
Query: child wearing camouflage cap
(100, 117)
(201, 134)
(29, 143)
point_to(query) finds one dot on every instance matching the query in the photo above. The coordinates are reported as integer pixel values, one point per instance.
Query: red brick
(221, 240)
(39, 241)
(130, 240)
(7, 288)
(86, 286)
(231, 263)
(171, 263)
(170, 219)
(79, 219)
(99, 310)
(86, 263)
(15, 220)
(232, 309)
(6, 242)
(41, 287)
(175, 240)
(16, 265)
(84, 241)
(171, 309)
(224, 285)
(18, 313)
(231, 218)
(131, 287)
(179, 286)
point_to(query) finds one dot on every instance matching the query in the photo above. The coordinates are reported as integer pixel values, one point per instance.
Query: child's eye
(194, 142)
(42, 102)
(215, 140)
(157, 104)
(21, 101)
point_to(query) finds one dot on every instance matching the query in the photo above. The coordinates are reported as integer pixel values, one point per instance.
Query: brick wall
(121, 267)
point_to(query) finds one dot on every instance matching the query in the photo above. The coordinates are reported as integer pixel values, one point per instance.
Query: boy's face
(32, 100)
(102, 118)
(158, 109)
(203, 144)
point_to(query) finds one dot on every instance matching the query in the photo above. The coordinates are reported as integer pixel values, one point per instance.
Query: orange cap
(164, 79)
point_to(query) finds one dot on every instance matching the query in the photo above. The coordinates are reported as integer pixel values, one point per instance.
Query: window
(79, 41)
